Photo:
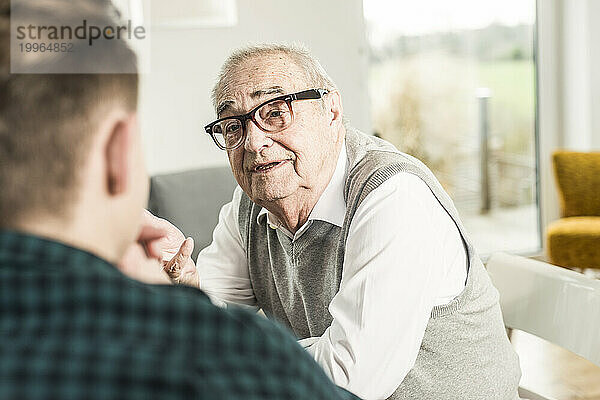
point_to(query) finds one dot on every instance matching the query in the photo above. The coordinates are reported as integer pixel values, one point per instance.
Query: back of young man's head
(71, 162)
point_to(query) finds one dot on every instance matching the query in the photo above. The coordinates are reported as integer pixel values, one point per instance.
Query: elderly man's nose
(256, 138)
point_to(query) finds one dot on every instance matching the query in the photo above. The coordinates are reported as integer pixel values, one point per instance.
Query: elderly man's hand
(172, 248)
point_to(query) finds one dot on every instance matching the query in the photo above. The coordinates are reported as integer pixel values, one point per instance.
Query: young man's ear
(118, 150)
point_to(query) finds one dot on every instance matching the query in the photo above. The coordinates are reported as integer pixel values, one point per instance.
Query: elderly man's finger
(174, 266)
(166, 240)
(151, 233)
(150, 219)
(155, 248)
(150, 237)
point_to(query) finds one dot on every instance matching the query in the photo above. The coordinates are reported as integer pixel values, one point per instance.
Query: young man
(72, 181)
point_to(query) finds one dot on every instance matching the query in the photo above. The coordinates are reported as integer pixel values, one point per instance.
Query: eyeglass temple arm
(310, 94)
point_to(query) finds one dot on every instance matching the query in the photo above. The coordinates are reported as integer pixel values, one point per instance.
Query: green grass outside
(512, 84)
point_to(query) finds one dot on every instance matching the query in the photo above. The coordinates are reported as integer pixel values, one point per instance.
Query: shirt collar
(331, 206)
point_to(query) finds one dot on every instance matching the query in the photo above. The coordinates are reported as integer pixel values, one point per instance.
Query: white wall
(569, 87)
(577, 75)
(594, 34)
(579, 34)
(175, 95)
(550, 103)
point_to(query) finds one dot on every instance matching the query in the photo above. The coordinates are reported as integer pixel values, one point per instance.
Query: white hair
(316, 77)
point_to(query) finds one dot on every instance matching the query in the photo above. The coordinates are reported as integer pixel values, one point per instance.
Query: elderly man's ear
(335, 109)
(119, 153)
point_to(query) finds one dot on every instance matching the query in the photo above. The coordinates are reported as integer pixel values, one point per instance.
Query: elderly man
(351, 244)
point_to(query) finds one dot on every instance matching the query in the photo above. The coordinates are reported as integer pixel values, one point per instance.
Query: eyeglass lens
(274, 116)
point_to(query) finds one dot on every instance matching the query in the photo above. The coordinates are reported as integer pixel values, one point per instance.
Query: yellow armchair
(574, 239)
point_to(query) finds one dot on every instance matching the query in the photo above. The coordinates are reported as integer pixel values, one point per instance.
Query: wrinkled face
(274, 166)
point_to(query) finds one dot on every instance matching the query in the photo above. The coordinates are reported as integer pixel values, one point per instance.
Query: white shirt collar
(330, 207)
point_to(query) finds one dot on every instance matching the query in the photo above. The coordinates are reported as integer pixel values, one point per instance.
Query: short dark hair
(47, 121)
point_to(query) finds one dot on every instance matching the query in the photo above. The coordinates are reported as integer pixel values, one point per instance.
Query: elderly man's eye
(232, 128)
(275, 113)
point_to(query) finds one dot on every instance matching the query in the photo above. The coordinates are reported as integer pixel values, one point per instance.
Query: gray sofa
(191, 200)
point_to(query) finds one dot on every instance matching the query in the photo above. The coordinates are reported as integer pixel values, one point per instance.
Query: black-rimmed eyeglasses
(272, 116)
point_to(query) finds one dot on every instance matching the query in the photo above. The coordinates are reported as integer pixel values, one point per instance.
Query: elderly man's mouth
(268, 167)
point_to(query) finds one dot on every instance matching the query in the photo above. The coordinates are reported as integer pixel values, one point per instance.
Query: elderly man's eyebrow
(223, 106)
(265, 92)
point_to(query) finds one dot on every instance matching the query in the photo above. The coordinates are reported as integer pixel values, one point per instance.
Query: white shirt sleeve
(404, 255)
(222, 266)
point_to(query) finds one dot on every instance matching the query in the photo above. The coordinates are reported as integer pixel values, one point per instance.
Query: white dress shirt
(404, 255)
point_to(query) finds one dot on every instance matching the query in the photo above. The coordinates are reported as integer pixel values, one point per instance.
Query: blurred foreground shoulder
(238, 354)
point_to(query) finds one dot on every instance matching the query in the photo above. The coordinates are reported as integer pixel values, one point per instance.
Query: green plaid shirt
(73, 327)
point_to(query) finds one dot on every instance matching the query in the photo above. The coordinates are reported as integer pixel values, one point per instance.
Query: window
(453, 83)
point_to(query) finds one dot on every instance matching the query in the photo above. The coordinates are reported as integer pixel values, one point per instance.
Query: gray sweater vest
(465, 353)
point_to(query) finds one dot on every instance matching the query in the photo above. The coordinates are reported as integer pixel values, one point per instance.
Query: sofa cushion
(191, 200)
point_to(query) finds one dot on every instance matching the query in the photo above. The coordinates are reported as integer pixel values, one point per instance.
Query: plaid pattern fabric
(73, 327)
